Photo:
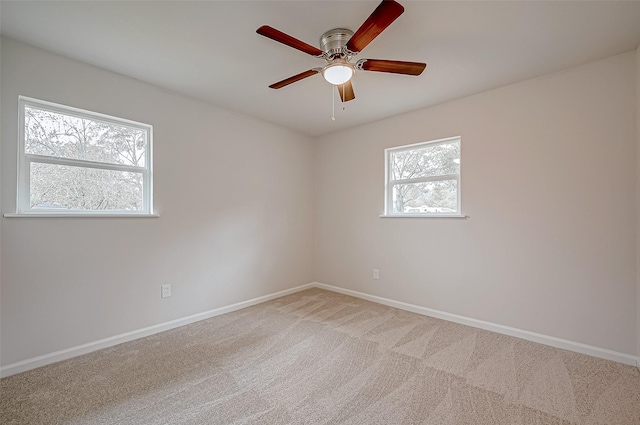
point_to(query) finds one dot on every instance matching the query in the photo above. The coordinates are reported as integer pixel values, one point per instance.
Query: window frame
(23, 193)
(389, 184)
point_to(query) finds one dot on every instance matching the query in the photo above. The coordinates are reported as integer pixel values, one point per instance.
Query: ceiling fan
(339, 45)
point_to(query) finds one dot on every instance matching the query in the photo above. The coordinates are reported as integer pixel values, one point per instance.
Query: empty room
(320, 212)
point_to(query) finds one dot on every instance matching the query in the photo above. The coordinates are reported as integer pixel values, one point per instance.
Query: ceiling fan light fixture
(338, 73)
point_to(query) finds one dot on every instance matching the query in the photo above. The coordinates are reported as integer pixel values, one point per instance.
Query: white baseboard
(68, 353)
(602, 353)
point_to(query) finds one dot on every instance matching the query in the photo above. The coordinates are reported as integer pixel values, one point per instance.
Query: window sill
(423, 216)
(79, 215)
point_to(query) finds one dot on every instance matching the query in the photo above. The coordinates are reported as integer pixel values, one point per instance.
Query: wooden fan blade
(346, 91)
(395, 67)
(386, 12)
(287, 40)
(293, 79)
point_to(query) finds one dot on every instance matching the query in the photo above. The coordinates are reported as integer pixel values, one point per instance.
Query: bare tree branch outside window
(427, 190)
(79, 184)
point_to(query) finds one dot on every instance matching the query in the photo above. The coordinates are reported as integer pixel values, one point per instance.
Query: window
(423, 179)
(73, 161)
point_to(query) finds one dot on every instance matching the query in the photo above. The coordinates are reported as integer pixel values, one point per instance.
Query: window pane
(428, 197)
(79, 188)
(438, 160)
(65, 136)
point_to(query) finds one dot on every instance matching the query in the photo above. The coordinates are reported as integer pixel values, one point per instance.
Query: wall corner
(638, 201)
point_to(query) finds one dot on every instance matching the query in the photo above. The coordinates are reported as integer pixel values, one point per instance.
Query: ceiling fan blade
(346, 91)
(386, 12)
(287, 40)
(290, 80)
(395, 67)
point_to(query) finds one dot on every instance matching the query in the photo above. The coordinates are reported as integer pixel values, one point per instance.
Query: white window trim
(24, 160)
(423, 215)
(388, 184)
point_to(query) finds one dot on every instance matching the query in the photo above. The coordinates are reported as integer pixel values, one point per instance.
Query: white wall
(638, 197)
(548, 182)
(1, 209)
(233, 194)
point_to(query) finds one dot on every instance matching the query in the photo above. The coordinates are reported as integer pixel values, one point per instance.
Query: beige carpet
(318, 357)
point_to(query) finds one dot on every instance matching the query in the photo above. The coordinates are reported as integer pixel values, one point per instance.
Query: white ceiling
(210, 50)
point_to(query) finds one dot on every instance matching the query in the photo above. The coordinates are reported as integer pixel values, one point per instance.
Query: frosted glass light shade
(338, 73)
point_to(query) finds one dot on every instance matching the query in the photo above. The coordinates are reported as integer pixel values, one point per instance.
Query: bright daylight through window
(423, 179)
(73, 161)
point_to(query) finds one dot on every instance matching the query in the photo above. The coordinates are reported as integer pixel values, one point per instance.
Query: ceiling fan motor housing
(333, 42)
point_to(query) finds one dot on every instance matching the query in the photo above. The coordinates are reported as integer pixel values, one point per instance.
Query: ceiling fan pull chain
(343, 96)
(333, 104)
